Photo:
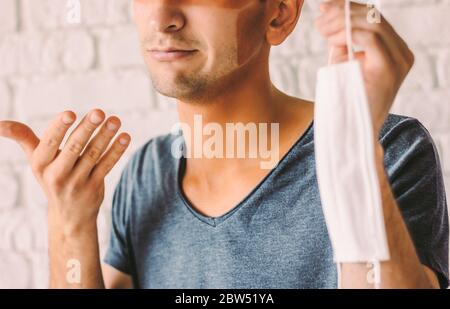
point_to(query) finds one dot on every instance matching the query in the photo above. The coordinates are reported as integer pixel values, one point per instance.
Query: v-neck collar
(215, 221)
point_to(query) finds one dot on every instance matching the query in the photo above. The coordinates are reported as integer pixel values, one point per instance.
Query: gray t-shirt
(275, 237)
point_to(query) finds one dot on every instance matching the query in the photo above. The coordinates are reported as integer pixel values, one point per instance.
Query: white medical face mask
(345, 164)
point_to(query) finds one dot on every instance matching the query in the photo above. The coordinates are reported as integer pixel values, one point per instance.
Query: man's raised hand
(72, 176)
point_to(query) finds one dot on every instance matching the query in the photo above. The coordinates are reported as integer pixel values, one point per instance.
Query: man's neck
(254, 100)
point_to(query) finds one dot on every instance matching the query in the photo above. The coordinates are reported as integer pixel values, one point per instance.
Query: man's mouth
(170, 54)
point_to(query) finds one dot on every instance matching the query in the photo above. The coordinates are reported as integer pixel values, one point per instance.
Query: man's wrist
(71, 230)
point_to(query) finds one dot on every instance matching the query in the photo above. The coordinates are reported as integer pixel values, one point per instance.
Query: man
(211, 222)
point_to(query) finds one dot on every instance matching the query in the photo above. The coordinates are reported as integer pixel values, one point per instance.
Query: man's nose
(165, 18)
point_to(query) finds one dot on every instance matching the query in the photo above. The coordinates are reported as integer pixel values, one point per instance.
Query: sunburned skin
(226, 35)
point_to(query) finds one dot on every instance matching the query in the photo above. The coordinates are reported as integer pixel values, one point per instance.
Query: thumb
(337, 54)
(360, 56)
(20, 133)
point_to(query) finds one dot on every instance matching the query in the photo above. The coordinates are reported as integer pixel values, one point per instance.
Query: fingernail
(67, 119)
(123, 141)
(111, 126)
(96, 118)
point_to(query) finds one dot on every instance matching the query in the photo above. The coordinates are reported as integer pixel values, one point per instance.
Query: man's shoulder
(396, 121)
(161, 144)
(408, 146)
(403, 132)
(157, 155)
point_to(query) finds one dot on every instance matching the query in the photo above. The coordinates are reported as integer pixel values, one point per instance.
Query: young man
(201, 222)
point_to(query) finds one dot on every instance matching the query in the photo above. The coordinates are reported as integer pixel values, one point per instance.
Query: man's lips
(170, 54)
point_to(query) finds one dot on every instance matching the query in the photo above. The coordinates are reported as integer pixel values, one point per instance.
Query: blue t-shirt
(275, 237)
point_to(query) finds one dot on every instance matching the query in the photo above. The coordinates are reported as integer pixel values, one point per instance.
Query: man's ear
(283, 20)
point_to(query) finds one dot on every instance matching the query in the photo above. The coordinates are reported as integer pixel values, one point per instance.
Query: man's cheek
(216, 28)
(141, 11)
(242, 27)
(249, 33)
(232, 32)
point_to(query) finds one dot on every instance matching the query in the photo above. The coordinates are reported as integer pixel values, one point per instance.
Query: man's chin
(185, 90)
(176, 93)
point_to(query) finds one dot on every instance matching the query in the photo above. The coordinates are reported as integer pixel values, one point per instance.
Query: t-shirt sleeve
(119, 251)
(413, 166)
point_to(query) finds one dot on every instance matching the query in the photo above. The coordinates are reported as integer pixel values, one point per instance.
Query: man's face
(208, 39)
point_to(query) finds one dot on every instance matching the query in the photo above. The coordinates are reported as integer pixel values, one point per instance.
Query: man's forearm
(404, 269)
(74, 257)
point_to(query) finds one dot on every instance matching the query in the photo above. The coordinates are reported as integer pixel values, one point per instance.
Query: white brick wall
(47, 65)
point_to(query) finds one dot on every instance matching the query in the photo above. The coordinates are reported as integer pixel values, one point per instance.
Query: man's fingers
(20, 133)
(332, 25)
(97, 147)
(48, 148)
(337, 54)
(374, 47)
(111, 157)
(394, 44)
(77, 141)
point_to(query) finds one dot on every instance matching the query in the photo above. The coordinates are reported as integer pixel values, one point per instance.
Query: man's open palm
(72, 176)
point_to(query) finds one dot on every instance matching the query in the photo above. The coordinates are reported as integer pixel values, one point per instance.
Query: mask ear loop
(348, 30)
(376, 270)
(348, 35)
(349, 42)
